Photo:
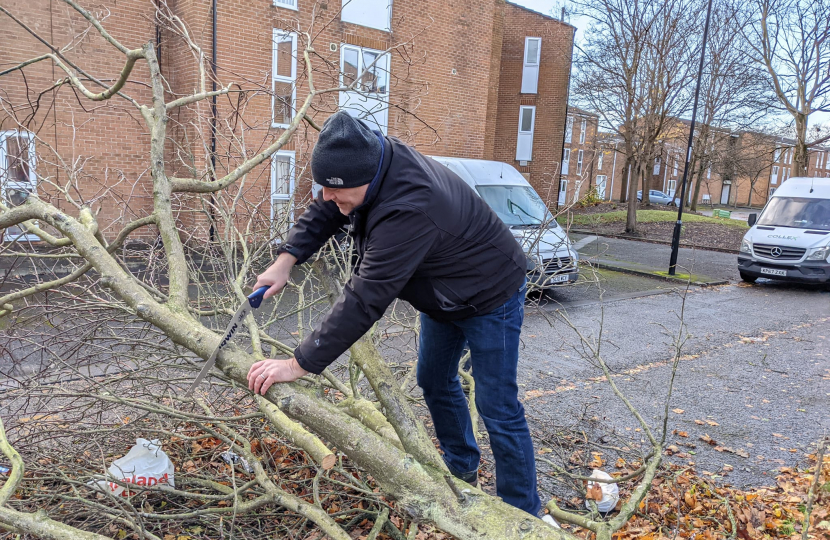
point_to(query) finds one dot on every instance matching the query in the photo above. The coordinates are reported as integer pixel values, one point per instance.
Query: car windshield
(517, 206)
(797, 212)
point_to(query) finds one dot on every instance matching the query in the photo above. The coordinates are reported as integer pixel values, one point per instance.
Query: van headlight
(746, 246)
(819, 254)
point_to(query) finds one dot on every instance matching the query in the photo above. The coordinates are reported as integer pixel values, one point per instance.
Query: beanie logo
(335, 181)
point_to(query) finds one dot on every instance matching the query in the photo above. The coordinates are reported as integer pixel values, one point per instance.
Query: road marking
(584, 242)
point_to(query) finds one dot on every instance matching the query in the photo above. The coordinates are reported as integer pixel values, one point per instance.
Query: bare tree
(789, 39)
(104, 342)
(749, 160)
(633, 70)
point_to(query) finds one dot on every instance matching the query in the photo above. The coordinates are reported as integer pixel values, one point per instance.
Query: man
(422, 235)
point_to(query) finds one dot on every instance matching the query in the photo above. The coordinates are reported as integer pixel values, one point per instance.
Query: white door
(563, 191)
(724, 195)
(601, 181)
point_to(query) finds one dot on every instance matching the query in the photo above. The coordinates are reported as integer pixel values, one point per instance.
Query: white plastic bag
(145, 464)
(610, 492)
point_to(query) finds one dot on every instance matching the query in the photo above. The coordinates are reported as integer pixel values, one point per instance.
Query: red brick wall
(550, 100)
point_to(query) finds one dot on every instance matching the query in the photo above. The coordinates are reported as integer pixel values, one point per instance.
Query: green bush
(591, 198)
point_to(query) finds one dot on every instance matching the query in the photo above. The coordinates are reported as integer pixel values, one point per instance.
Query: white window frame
(674, 167)
(563, 191)
(524, 139)
(569, 129)
(287, 4)
(566, 160)
(279, 37)
(601, 179)
(358, 95)
(825, 159)
(777, 156)
(657, 165)
(583, 127)
(530, 70)
(773, 179)
(289, 197)
(579, 156)
(818, 160)
(30, 185)
(355, 12)
(671, 188)
(785, 175)
(600, 160)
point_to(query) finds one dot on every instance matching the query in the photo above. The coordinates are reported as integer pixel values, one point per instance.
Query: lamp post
(675, 241)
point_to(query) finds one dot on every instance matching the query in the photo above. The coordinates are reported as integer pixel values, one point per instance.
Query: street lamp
(675, 241)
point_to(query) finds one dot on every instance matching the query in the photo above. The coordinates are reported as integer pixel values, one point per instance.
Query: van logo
(775, 252)
(782, 237)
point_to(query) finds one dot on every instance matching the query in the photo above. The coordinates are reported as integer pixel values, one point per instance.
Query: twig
(811, 495)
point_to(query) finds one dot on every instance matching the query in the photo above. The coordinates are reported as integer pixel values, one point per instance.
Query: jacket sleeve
(395, 248)
(321, 220)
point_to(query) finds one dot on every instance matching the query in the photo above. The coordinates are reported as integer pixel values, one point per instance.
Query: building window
(818, 160)
(777, 156)
(825, 159)
(282, 192)
(284, 78)
(569, 129)
(672, 187)
(771, 191)
(371, 13)
(599, 161)
(579, 162)
(582, 128)
(566, 160)
(709, 172)
(563, 191)
(366, 72)
(290, 4)
(530, 69)
(773, 179)
(602, 180)
(17, 174)
(785, 174)
(674, 167)
(524, 142)
(656, 170)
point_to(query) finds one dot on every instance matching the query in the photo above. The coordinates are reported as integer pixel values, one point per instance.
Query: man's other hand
(267, 372)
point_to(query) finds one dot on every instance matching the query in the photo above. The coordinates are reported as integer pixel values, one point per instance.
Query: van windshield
(517, 206)
(797, 212)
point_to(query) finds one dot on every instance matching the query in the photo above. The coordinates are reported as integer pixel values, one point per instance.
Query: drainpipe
(613, 173)
(213, 118)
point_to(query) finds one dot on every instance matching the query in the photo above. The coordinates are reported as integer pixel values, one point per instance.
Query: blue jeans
(493, 339)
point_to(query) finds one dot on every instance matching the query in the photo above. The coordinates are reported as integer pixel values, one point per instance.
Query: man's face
(346, 199)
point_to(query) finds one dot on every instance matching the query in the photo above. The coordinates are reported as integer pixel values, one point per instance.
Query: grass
(647, 216)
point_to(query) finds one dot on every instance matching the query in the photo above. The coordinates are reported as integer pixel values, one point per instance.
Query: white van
(550, 258)
(791, 238)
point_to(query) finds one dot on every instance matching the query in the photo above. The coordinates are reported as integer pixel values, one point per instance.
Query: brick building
(580, 170)
(471, 79)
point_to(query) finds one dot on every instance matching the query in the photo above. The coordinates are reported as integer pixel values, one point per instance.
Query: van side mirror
(752, 219)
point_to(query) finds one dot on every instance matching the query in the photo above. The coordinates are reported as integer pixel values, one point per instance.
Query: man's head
(345, 160)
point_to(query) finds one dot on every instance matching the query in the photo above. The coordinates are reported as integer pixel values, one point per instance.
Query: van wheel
(748, 278)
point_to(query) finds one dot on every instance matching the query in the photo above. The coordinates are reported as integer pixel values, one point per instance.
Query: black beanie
(347, 154)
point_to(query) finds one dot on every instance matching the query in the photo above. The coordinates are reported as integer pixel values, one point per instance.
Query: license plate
(773, 272)
(561, 278)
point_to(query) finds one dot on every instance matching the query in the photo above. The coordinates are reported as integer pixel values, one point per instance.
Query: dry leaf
(678, 411)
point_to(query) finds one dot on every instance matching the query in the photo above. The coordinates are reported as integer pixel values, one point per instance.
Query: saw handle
(255, 298)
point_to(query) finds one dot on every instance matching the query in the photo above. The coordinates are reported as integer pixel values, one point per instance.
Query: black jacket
(423, 235)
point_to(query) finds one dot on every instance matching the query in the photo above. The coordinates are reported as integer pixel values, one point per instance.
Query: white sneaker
(547, 518)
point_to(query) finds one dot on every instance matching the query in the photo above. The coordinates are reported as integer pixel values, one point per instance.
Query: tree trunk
(696, 195)
(800, 158)
(631, 218)
(641, 175)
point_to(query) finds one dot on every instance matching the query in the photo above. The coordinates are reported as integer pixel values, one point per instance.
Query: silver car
(658, 197)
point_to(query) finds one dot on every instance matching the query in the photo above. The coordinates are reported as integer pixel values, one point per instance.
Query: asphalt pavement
(753, 376)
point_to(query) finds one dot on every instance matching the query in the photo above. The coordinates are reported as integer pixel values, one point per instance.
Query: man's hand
(267, 372)
(277, 275)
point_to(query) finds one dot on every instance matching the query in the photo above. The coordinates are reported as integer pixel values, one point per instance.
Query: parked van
(790, 240)
(551, 259)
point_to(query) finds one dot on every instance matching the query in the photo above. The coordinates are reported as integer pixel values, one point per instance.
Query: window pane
(349, 66)
(282, 182)
(284, 57)
(283, 102)
(527, 119)
(569, 129)
(17, 160)
(532, 56)
(376, 76)
(282, 217)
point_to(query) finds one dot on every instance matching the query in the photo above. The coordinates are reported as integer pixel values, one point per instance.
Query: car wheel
(671, 203)
(747, 278)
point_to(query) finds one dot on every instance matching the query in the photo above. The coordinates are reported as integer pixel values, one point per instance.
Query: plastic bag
(610, 492)
(145, 464)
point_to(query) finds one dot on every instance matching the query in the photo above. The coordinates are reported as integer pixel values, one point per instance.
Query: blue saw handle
(255, 298)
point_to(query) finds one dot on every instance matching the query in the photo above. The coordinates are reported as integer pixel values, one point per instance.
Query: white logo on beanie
(335, 181)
